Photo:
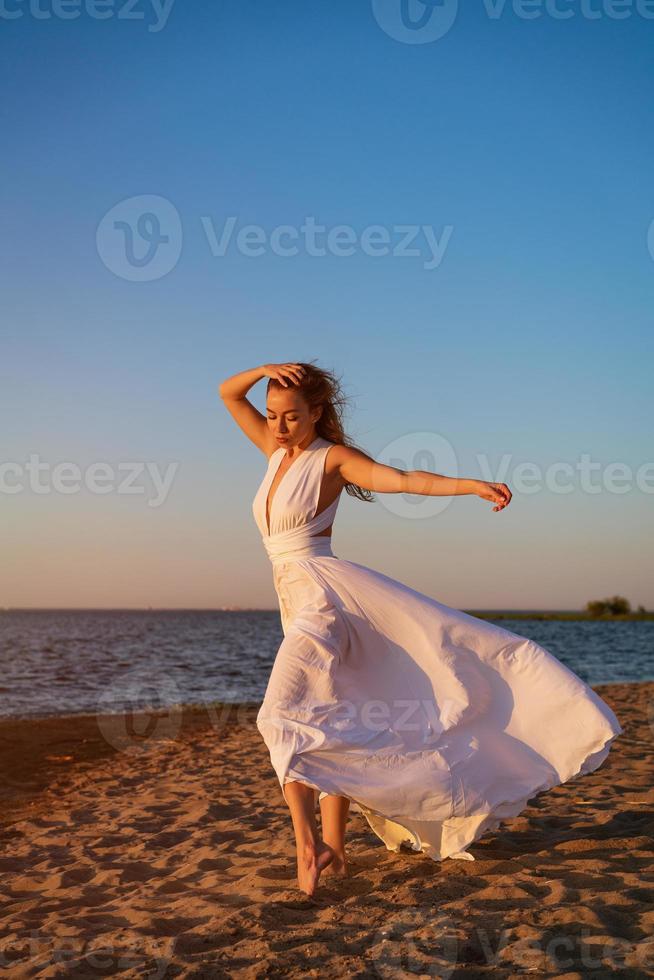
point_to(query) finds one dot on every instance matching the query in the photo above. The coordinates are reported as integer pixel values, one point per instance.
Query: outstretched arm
(357, 467)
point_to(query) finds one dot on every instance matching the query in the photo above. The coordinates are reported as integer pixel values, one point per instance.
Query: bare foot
(338, 868)
(312, 859)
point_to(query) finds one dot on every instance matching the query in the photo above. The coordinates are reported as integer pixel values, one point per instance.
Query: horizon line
(233, 609)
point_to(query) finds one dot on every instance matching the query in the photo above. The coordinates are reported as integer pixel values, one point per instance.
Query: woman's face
(289, 418)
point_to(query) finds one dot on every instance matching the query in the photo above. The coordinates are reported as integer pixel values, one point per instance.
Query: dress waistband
(289, 547)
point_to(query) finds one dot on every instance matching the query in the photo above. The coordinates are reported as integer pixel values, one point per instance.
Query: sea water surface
(88, 661)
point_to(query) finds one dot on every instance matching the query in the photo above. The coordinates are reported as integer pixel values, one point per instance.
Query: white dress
(436, 725)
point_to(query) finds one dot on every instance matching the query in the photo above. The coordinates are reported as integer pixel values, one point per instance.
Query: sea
(66, 662)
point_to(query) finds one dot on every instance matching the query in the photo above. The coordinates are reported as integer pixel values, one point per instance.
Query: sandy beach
(162, 847)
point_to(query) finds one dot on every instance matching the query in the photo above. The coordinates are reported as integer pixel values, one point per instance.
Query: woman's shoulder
(340, 449)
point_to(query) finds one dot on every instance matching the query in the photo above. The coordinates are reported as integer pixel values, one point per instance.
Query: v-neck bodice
(294, 526)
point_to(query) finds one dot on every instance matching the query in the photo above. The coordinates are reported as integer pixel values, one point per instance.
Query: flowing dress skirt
(436, 725)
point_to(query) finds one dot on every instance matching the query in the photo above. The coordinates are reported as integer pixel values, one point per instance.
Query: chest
(296, 494)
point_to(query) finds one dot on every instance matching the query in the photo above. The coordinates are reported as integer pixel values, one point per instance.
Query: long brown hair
(322, 388)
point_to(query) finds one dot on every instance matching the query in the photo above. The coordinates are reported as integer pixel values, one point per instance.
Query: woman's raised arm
(233, 391)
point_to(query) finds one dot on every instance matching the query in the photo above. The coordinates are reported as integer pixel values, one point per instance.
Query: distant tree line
(617, 605)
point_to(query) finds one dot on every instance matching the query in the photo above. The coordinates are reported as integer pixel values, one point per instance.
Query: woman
(434, 724)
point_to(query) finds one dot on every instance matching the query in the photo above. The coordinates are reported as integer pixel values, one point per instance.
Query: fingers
(502, 495)
(299, 372)
(293, 371)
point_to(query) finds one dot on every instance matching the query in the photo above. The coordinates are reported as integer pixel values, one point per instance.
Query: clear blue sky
(531, 140)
